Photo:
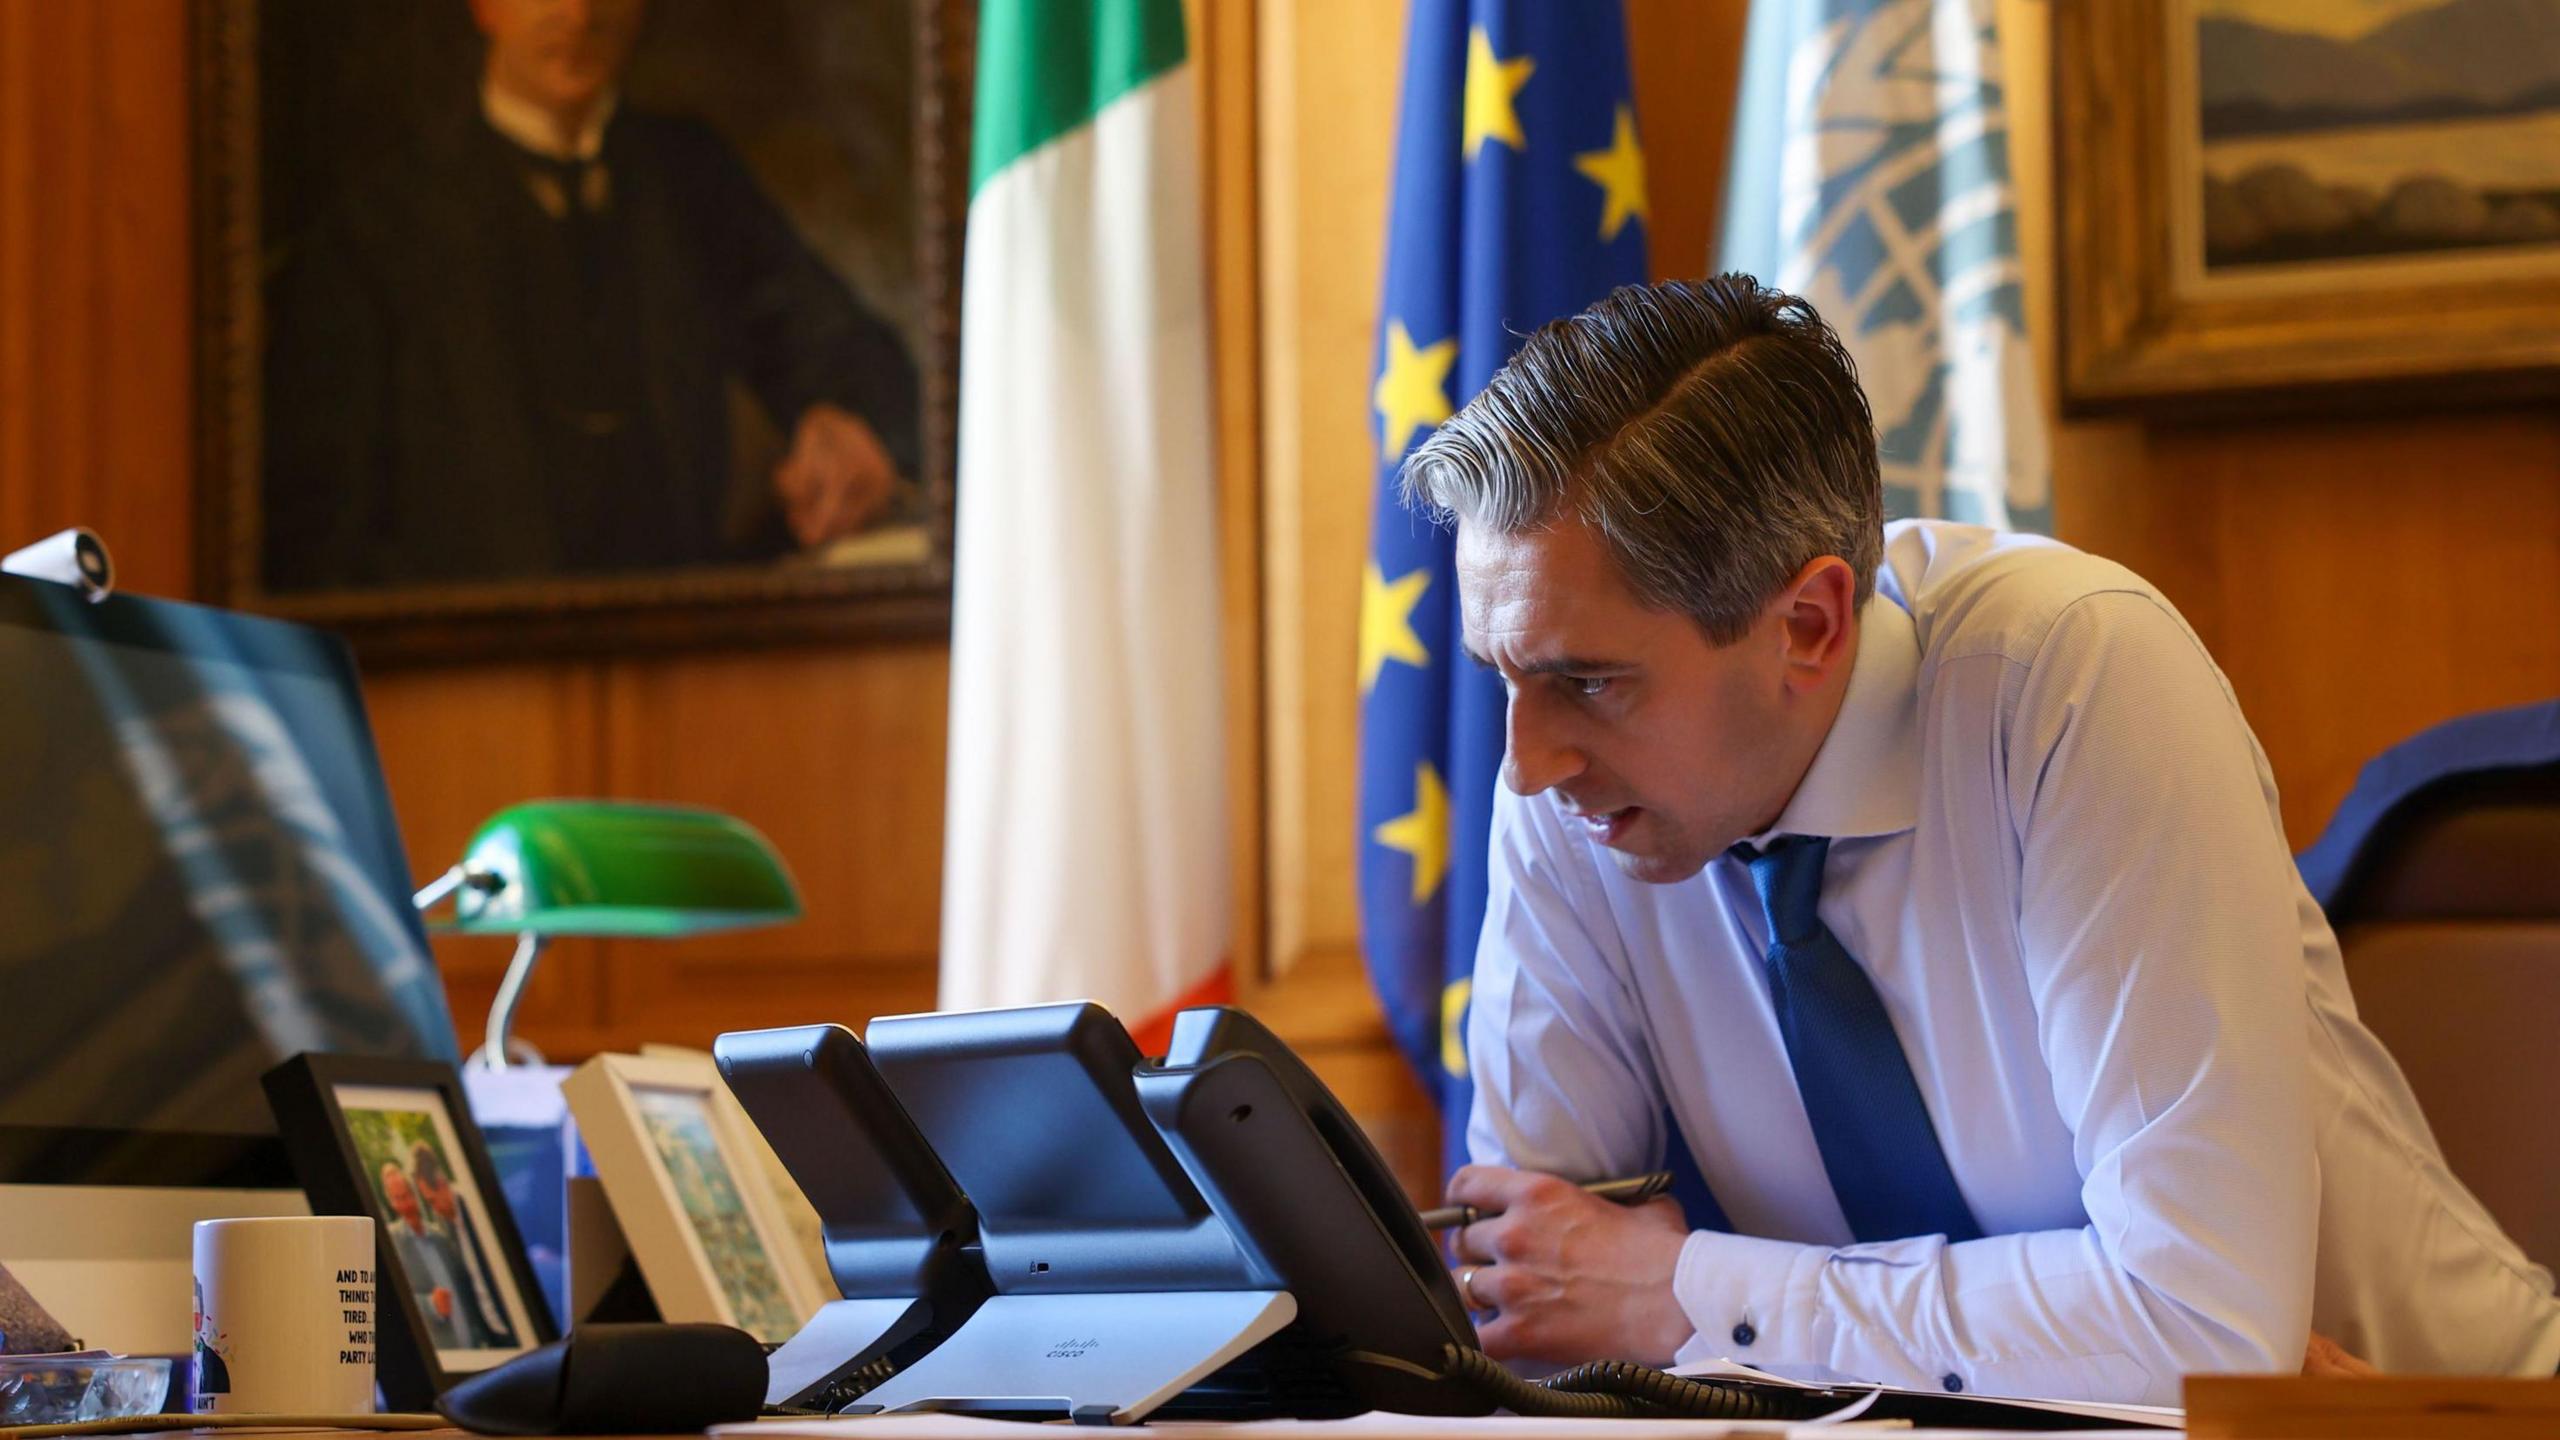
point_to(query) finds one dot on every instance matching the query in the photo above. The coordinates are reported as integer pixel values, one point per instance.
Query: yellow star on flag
(1453, 1026)
(1491, 84)
(1422, 833)
(1386, 622)
(1619, 172)
(1413, 387)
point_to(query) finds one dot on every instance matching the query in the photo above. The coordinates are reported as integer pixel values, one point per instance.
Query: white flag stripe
(1085, 853)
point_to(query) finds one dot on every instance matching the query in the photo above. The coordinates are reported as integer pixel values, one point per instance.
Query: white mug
(284, 1315)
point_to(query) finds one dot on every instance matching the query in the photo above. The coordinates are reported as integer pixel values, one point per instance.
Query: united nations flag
(1870, 175)
(1519, 197)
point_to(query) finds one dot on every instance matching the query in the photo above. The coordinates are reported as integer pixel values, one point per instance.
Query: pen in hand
(1633, 1190)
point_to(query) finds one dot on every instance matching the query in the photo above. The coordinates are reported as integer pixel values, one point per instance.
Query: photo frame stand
(318, 1101)
(686, 1189)
(1106, 1359)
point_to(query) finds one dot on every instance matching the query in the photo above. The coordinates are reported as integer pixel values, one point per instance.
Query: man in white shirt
(1927, 885)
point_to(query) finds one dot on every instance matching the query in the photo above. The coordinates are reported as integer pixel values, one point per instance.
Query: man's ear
(1818, 610)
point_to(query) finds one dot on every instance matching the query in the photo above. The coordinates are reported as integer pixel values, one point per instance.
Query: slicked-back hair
(1710, 432)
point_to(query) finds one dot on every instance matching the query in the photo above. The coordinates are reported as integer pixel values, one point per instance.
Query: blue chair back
(2510, 749)
(2441, 873)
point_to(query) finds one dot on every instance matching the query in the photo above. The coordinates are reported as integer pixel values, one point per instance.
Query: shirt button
(1743, 1334)
(1953, 1382)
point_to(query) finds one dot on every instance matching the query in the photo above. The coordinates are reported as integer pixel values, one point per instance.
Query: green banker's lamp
(602, 867)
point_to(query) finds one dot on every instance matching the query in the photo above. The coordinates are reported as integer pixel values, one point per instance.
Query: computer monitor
(199, 875)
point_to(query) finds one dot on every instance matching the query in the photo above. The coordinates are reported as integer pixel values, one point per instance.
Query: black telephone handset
(1225, 1168)
(894, 1218)
(1303, 1189)
(901, 1237)
(1300, 1185)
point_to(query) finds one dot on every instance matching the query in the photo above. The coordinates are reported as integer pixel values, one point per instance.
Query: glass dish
(93, 1385)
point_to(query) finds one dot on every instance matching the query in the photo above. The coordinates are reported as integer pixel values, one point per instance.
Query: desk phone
(1029, 1217)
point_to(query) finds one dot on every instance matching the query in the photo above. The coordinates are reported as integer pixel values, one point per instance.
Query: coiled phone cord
(1605, 1389)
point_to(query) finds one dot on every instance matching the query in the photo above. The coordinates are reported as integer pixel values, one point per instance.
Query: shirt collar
(527, 124)
(1866, 778)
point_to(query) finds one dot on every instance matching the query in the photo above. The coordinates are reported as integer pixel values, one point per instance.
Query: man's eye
(1589, 687)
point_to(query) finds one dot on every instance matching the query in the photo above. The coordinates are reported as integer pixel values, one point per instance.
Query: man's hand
(1571, 1277)
(837, 478)
(2326, 1359)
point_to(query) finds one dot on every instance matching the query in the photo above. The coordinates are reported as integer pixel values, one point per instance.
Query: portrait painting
(581, 323)
(435, 1225)
(2299, 204)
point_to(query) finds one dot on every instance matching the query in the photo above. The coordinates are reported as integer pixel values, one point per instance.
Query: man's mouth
(1606, 826)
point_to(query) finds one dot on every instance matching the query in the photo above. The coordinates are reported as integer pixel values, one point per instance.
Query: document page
(1379, 1425)
(2151, 1417)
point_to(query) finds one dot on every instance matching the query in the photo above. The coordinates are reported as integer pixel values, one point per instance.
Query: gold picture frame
(2149, 325)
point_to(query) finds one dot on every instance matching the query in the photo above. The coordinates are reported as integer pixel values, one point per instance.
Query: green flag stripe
(1047, 66)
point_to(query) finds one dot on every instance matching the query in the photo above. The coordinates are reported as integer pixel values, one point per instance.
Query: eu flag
(1519, 197)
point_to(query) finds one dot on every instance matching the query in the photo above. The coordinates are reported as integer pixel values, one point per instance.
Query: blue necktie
(1878, 1146)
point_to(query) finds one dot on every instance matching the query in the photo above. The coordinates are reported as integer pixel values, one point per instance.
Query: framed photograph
(682, 1171)
(529, 326)
(2294, 203)
(394, 1139)
(799, 1217)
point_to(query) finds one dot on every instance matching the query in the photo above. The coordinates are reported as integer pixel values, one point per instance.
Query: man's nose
(1535, 757)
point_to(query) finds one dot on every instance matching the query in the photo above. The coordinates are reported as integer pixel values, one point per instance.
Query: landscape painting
(679, 1128)
(2377, 130)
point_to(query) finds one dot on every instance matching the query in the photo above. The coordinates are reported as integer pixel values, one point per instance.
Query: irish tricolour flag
(1085, 855)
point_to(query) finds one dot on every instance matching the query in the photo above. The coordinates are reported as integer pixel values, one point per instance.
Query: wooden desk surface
(2412, 1407)
(2219, 1407)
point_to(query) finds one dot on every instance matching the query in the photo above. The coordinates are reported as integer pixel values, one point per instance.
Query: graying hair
(1710, 432)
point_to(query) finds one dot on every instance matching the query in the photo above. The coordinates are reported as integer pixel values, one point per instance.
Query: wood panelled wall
(837, 757)
(94, 340)
(2357, 577)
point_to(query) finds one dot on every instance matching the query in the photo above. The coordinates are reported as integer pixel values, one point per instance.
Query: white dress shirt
(2056, 850)
(530, 126)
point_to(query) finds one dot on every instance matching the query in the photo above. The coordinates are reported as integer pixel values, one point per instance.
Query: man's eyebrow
(1560, 664)
(1575, 665)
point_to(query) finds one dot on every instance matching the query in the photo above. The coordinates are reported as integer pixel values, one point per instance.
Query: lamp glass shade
(600, 867)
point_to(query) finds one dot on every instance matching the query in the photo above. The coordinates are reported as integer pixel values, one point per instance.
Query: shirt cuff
(1748, 1299)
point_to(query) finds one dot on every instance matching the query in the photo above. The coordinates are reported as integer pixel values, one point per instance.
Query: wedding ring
(1467, 1288)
